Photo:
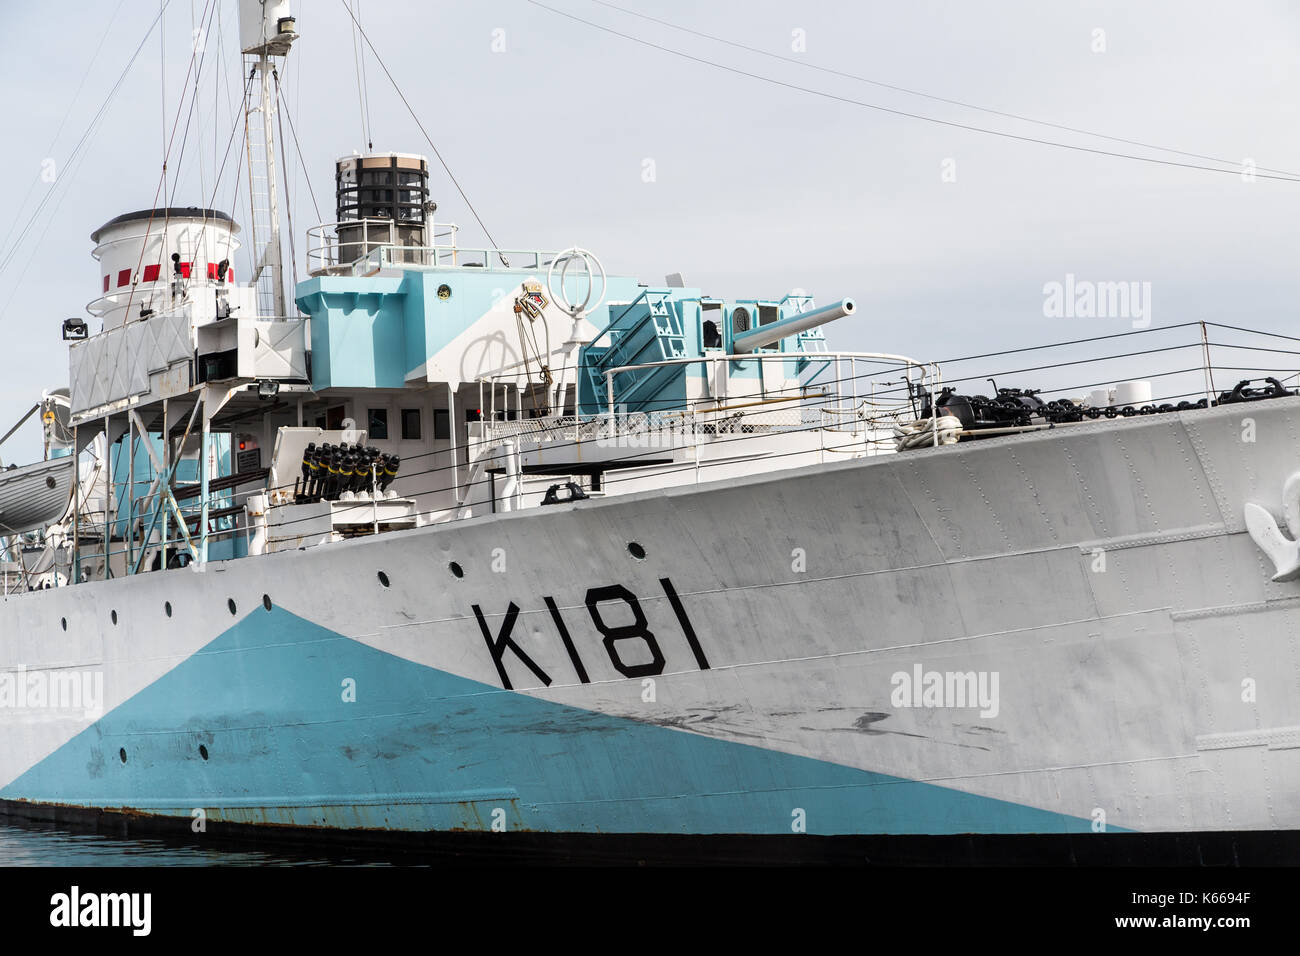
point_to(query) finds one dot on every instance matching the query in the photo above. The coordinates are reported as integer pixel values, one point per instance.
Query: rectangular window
(377, 423)
(441, 424)
(410, 424)
(711, 326)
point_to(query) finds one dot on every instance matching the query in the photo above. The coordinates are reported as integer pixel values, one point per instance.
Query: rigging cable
(64, 122)
(162, 86)
(902, 113)
(237, 120)
(365, 90)
(474, 212)
(170, 141)
(194, 33)
(189, 118)
(306, 175)
(284, 159)
(297, 104)
(358, 62)
(928, 96)
(76, 150)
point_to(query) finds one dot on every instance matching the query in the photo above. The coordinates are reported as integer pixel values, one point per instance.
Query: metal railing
(840, 396)
(342, 247)
(867, 400)
(451, 257)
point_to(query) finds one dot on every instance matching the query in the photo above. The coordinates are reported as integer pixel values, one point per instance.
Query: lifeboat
(33, 496)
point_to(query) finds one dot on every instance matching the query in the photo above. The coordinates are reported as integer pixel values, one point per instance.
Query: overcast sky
(561, 134)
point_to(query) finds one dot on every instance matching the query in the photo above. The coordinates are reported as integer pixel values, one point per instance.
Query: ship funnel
(774, 332)
(382, 199)
(136, 250)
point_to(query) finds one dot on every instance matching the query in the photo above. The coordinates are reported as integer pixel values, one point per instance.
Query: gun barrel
(773, 332)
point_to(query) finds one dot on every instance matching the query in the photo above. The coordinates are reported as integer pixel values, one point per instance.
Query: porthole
(266, 601)
(636, 551)
(456, 569)
(383, 579)
(230, 603)
(122, 753)
(167, 608)
(113, 615)
(444, 291)
(64, 622)
(203, 751)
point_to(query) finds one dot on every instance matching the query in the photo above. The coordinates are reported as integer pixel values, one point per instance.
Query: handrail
(431, 257)
(768, 356)
(624, 334)
(750, 356)
(324, 245)
(853, 357)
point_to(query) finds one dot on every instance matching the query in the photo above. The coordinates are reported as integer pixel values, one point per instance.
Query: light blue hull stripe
(421, 749)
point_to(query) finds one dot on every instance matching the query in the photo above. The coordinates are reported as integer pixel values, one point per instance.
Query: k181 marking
(611, 636)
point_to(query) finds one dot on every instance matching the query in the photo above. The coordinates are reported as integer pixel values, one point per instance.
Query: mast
(266, 30)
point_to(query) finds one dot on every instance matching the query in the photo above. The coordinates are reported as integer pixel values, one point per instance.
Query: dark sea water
(32, 845)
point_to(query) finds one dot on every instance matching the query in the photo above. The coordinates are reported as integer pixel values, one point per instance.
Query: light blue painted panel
(421, 749)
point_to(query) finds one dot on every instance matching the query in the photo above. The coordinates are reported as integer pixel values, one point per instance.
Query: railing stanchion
(1209, 374)
(934, 410)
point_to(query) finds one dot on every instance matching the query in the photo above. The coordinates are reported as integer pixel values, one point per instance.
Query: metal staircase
(648, 330)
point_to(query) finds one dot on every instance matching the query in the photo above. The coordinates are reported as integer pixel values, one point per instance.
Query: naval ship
(457, 541)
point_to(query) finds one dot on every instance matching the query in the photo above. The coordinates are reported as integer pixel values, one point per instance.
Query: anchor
(1263, 528)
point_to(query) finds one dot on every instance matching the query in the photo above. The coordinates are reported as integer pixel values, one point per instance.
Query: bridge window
(378, 423)
(410, 424)
(767, 314)
(441, 424)
(712, 337)
(711, 328)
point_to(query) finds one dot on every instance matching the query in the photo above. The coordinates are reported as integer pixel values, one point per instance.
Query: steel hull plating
(1132, 664)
